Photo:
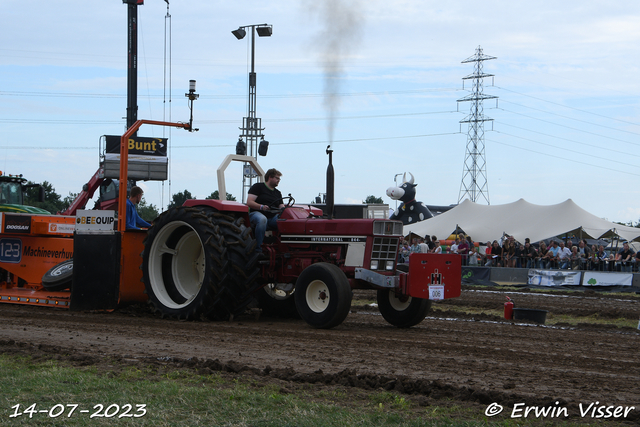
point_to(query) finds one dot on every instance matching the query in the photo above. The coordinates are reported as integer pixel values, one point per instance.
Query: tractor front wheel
(323, 295)
(402, 311)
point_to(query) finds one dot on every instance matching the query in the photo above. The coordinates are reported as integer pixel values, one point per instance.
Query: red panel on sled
(436, 270)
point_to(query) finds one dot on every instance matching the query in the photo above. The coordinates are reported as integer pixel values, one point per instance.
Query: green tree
(179, 199)
(147, 212)
(215, 195)
(52, 201)
(373, 199)
(70, 199)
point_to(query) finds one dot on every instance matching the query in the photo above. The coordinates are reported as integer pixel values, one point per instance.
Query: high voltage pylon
(474, 183)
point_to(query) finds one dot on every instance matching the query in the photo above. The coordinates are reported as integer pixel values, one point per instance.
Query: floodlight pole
(251, 125)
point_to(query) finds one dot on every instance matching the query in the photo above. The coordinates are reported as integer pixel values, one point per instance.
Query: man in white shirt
(564, 255)
(454, 247)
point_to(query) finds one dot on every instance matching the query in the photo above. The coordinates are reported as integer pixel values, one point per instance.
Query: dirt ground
(449, 359)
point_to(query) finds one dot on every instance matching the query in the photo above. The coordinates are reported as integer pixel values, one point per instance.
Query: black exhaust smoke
(341, 28)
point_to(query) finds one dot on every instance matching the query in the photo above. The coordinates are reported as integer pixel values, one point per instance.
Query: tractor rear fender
(219, 205)
(431, 276)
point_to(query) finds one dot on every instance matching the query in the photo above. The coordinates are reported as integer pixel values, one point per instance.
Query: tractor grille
(384, 253)
(388, 228)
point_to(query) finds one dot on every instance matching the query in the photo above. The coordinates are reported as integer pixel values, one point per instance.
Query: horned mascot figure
(410, 211)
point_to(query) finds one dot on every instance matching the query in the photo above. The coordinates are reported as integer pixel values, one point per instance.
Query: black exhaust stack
(330, 180)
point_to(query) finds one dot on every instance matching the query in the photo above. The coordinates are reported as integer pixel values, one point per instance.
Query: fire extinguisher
(508, 309)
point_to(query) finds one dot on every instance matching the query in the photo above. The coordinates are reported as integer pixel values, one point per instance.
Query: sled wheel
(243, 269)
(277, 303)
(402, 312)
(323, 295)
(59, 277)
(185, 264)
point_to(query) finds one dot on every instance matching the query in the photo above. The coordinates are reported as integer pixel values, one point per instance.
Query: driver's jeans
(262, 224)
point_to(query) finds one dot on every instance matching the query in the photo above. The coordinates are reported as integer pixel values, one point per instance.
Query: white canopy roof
(521, 219)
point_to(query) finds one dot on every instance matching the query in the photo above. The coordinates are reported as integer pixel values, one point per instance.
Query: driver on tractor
(263, 200)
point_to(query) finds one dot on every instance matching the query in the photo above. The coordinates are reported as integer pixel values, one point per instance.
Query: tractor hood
(296, 221)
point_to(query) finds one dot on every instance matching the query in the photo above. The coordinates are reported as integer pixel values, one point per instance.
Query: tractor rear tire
(402, 312)
(323, 295)
(243, 268)
(59, 277)
(185, 265)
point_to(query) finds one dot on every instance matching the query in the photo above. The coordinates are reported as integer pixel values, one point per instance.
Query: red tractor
(199, 260)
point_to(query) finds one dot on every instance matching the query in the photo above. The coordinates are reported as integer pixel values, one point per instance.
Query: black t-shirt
(624, 254)
(265, 196)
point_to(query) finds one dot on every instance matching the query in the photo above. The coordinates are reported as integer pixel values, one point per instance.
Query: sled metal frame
(39, 297)
(124, 163)
(131, 288)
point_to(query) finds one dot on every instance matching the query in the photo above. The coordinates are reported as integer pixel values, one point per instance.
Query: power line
(230, 96)
(311, 119)
(64, 94)
(609, 149)
(566, 149)
(327, 141)
(388, 92)
(572, 128)
(569, 160)
(21, 147)
(571, 108)
(282, 120)
(371, 139)
(61, 53)
(577, 120)
(61, 122)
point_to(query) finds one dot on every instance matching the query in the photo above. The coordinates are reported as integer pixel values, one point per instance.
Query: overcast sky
(566, 122)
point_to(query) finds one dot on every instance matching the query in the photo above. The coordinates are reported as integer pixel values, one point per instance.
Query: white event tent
(521, 219)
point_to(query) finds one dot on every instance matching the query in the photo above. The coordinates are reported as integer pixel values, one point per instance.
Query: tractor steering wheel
(274, 206)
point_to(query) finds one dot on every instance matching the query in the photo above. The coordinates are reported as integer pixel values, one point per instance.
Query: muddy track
(468, 360)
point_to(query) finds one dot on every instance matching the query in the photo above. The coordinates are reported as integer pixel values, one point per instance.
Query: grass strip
(185, 398)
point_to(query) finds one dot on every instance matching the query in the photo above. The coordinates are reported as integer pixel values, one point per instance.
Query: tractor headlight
(384, 252)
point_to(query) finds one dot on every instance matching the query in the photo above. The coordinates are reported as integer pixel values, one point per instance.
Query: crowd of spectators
(560, 254)
(462, 245)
